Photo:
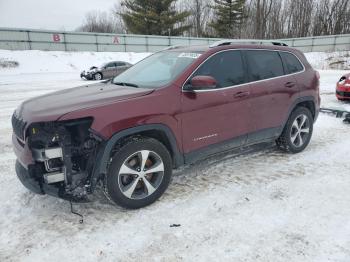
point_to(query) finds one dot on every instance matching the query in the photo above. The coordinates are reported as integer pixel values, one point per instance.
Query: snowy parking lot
(265, 206)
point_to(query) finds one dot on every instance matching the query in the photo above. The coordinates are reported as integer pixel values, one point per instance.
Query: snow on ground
(265, 206)
(329, 60)
(35, 61)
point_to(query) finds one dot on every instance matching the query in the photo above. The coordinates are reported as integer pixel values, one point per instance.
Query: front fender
(106, 147)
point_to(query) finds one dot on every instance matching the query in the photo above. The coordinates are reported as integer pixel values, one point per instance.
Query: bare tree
(99, 22)
(332, 17)
(296, 18)
(200, 15)
(269, 18)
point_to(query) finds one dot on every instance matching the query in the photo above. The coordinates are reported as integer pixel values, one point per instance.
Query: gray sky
(49, 14)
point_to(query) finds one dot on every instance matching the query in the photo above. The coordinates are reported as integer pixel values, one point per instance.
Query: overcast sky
(49, 14)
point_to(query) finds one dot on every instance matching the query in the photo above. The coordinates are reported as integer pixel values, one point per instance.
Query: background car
(343, 88)
(105, 71)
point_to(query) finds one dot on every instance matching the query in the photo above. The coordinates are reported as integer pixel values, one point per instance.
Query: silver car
(105, 71)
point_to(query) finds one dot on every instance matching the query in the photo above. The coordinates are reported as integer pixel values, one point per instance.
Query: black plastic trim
(301, 100)
(251, 139)
(103, 156)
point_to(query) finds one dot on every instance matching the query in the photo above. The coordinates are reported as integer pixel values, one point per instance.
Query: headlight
(342, 80)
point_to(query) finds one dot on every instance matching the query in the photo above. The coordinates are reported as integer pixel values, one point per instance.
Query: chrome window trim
(229, 87)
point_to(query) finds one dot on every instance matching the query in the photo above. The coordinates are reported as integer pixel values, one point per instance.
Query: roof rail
(246, 41)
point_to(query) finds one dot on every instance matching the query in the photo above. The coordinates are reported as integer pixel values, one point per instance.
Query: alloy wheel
(300, 130)
(141, 174)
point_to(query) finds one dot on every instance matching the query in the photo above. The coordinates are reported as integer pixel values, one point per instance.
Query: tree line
(260, 19)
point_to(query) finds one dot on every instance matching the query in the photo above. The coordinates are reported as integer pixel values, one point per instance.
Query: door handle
(241, 94)
(289, 84)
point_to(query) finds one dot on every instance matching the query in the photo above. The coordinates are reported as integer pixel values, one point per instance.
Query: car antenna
(81, 220)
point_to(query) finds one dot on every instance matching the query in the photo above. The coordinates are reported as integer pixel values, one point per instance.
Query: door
(121, 67)
(272, 92)
(110, 70)
(221, 114)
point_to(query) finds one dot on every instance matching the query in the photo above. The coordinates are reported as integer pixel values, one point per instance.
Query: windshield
(103, 65)
(157, 70)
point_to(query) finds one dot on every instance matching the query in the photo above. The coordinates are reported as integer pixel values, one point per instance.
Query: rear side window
(291, 63)
(120, 64)
(264, 64)
(226, 67)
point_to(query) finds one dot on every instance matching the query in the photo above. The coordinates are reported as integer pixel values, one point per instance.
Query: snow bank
(332, 60)
(35, 61)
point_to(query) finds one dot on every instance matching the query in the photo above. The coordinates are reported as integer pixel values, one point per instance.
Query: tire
(98, 76)
(131, 186)
(297, 132)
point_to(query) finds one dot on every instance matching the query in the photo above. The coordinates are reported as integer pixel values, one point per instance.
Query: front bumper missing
(31, 181)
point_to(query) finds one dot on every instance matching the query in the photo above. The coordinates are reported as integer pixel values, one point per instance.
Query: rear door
(221, 114)
(272, 93)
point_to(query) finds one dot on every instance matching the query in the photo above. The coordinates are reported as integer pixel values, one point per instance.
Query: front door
(121, 67)
(110, 70)
(222, 114)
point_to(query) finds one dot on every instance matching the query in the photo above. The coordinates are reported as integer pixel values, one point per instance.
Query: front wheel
(98, 76)
(139, 174)
(297, 132)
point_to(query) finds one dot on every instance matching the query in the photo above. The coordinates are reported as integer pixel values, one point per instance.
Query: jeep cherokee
(172, 108)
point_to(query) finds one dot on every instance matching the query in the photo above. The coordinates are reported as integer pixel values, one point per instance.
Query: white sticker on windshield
(190, 55)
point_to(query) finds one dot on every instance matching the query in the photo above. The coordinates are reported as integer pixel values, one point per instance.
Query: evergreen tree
(228, 18)
(153, 17)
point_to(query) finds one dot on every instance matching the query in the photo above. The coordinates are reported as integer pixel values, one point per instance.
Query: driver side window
(226, 67)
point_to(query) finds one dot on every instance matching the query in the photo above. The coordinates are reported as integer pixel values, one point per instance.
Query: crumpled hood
(52, 106)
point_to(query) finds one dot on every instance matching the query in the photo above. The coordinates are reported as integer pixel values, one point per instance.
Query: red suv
(172, 108)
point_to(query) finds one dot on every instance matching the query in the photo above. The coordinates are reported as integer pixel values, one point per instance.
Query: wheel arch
(309, 102)
(160, 132)
(99, 72)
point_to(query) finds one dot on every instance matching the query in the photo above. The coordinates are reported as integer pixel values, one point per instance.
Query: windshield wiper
(125, 84)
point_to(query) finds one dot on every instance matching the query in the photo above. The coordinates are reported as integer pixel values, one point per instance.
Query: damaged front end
(63, 154)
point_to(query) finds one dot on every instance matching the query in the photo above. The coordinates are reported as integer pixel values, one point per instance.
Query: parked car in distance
(105, 71)
(170, 109)
(343, 88)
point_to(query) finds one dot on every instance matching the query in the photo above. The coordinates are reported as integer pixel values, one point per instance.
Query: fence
(24, 39)
(320, 43)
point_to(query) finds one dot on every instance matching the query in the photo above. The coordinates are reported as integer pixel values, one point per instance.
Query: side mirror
(202, 83)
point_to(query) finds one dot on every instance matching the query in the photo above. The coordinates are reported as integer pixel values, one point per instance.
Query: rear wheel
(297, 132)
(98, 76)
(139, 174)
